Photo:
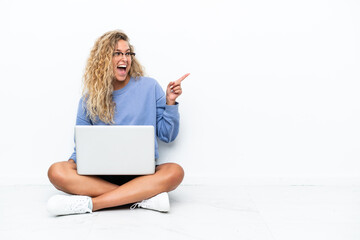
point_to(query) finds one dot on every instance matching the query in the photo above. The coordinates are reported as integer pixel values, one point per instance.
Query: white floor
(197, 212)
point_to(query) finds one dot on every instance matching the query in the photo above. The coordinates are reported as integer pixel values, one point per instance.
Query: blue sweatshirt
(141, 102)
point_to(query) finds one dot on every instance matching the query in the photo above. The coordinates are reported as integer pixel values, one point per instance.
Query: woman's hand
(174, 90)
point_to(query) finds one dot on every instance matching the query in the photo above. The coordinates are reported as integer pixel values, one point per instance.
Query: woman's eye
(127, 54)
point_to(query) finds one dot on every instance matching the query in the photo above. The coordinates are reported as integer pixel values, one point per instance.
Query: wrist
(169, 102)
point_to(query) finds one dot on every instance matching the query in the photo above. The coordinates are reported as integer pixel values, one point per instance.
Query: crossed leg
(63, 176)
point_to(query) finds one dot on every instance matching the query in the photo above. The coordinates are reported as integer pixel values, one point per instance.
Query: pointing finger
(182, 78)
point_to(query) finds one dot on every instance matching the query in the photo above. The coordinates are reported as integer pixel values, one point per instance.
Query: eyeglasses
(121, 54)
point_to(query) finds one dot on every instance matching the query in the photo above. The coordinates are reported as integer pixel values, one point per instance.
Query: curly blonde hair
(99, 76)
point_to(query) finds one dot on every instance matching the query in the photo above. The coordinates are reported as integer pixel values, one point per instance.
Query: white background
(273, 93)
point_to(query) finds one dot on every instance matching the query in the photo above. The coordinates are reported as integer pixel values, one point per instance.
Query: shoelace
(135, 205)
(143, 203)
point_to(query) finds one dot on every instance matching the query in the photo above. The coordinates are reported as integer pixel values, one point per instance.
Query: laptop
(115, 150)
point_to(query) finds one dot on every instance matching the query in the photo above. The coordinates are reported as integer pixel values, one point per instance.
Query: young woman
(116, 92)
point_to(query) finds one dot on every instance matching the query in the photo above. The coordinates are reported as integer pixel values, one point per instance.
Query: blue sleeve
(167, 117)
(81, 119)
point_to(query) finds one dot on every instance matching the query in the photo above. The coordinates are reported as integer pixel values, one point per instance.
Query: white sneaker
(65, 204)
(159, 203)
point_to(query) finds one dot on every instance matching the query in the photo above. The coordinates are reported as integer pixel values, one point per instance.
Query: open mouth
(122, 69)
